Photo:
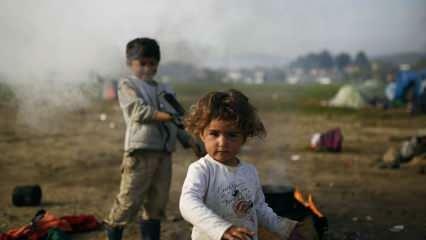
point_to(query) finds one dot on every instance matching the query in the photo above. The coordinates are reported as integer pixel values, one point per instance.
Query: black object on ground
(27, 196)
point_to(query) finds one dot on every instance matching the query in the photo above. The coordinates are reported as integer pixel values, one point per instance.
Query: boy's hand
(238, 233)
(162, 116)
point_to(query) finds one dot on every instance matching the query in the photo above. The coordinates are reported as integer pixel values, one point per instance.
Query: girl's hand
(238, 233)
(304, 230)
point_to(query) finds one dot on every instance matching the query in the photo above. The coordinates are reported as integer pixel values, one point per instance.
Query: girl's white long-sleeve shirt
(216, 196)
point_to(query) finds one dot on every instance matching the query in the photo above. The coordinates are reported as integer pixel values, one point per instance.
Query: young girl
(222, 195)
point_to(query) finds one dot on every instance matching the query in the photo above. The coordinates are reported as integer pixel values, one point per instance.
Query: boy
(149, 142)
(222, 195)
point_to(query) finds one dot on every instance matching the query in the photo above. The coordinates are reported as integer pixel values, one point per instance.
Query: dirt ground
(76, 161)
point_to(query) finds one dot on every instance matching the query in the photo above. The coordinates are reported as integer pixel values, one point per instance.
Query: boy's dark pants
(145, 182)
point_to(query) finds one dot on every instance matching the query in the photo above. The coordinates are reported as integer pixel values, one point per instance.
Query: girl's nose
(222, 140)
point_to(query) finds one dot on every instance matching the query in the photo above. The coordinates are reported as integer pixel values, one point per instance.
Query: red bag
(331, 140)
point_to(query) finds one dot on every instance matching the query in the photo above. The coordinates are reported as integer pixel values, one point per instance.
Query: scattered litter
(355, 219)
(397, 228)
(103, 117)
(111, 125)
(411, 151)
(369, 218)
(295, 157)
(331, 184)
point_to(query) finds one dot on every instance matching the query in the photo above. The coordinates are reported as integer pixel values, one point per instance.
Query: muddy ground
(76, 161)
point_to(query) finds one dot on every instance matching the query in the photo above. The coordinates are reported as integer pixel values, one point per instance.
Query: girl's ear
(201, 135)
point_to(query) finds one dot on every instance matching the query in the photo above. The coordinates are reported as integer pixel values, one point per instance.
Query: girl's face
(222, 140)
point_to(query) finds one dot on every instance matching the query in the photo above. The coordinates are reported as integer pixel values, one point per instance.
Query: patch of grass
(267, 97)
(6, 93)
(285, 98)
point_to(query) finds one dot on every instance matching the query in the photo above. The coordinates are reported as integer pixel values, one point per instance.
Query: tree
(325, 60)
(362, 61)
(342, 61)
(364, 66)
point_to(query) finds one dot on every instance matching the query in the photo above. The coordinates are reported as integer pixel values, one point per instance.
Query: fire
(309, 204)
(313, 207)
(299, 197)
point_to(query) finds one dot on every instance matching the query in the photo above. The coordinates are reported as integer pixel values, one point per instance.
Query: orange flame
(313, 207)
(309, 204)
(299, 197)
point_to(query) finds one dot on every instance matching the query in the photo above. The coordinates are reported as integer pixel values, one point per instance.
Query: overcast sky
(45, 34)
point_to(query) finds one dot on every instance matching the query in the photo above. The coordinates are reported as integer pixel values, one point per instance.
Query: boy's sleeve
(270, 220)
(192, 205)
(133, 105)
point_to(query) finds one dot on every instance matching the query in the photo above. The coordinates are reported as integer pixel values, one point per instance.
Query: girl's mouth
(222, 151)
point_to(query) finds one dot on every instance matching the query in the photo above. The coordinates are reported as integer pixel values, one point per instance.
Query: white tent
(348, 96)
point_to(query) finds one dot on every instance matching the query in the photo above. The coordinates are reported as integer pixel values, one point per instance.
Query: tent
(348, 96)
(372, 89)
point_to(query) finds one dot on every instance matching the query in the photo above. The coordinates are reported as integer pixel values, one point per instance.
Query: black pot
(281, 200)
(26, 196)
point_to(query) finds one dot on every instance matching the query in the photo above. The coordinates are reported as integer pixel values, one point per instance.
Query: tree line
(325, 60)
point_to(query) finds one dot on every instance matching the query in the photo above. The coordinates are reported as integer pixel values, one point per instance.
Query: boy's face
(144, 68)
(223, 141)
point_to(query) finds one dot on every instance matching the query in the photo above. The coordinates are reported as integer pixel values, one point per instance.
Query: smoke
(50, 54)
(43, 105)
(51, 50)
(49, 43)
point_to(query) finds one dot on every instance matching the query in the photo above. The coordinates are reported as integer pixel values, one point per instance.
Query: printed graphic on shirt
(241, 206)
(236, 197)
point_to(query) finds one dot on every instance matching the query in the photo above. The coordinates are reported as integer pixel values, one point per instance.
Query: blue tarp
(407, 79)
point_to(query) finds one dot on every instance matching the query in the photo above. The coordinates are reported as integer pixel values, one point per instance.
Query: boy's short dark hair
(231, 105)
(142, 47)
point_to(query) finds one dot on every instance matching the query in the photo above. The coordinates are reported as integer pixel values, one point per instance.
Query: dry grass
(77, 165)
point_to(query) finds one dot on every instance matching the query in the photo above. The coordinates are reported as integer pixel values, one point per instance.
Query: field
(76, 160)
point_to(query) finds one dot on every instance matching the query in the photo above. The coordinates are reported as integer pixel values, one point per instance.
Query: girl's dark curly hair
(231, 105)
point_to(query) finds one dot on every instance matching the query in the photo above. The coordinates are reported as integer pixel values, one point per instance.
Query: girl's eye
(233, 135)
(214, 134)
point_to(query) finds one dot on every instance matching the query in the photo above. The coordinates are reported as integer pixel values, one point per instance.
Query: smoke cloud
(50, 47)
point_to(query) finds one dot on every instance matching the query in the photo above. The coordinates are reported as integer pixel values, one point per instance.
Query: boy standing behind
(149, 142)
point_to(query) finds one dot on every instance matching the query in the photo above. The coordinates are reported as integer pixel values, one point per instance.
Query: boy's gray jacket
(139, 101)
